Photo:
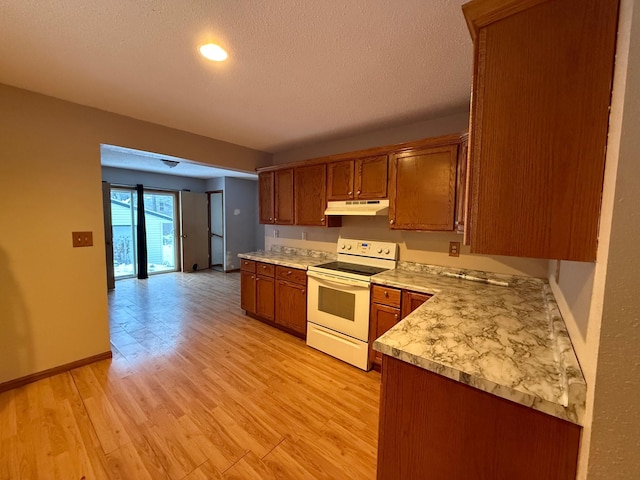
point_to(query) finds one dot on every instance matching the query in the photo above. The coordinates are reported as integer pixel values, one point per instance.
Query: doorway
(216, 230)
(160, 219)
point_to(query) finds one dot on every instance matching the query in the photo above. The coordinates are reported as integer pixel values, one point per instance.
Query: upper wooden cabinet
(311, 198)
(266, 197)
(540, 107)
(361, 179)
(422, 188)
(275, 192)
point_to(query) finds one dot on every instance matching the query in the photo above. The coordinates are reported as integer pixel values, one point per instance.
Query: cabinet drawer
(385, 296)
(248, 266)
(266, 269)
(291, 275)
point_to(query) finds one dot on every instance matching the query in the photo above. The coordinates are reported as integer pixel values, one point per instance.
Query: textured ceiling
(298, 71)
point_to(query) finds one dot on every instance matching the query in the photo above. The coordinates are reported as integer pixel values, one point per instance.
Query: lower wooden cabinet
(388, 307)
(291, 306)
(275, 295)
(434, 427)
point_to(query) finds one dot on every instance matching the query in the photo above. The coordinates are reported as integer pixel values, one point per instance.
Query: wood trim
(372, 152)
(34, 377)
(479, 14)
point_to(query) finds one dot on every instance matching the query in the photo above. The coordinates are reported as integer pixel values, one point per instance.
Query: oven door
(338, 303)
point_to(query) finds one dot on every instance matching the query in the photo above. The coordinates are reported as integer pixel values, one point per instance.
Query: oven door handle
(338, 280)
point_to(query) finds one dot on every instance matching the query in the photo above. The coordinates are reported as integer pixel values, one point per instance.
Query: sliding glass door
(160, 219)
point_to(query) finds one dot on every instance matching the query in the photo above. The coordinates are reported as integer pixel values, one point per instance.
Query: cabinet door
(539, 120)
(423, 185)
(371, 178)
(265, 290)
(248, 292)
(381, 319)
(283, 197)
(340, 180)
(310, 195)
(412, 300)
(291, 306)
(266, 196)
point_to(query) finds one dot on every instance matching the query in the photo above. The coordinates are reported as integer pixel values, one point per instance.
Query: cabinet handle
(257, 278)
(350, 193)
(386, 294)
(322, 219)
(270, 218)
(252, 277)
(396, 315)
(303, 291)
(289, 272)
(391, 222)
(275, 219)
(264, 267)
(359, 192)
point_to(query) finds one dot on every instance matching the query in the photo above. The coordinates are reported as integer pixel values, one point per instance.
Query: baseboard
(232, 270)
(34, 377)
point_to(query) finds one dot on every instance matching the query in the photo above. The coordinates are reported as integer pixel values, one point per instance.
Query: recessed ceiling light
(213, 52)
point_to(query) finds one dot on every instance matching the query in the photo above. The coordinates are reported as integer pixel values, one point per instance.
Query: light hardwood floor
(195, 390)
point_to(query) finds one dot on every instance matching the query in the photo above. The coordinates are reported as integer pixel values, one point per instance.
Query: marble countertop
(500, 334)
(289, 257)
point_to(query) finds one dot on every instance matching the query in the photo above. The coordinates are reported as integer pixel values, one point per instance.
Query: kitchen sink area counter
(289, 257)
(498, 333)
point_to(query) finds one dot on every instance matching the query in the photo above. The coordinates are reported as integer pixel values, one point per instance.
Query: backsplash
(420, 247)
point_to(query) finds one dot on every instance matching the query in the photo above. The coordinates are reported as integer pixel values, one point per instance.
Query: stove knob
(379, 250)
(343, 246)
(386, 252)
(348, 247)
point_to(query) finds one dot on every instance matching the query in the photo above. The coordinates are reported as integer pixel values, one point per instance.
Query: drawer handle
(391, 222)
(303, 291)
(289, 272)
(396, 315)
(386, 294)
(264, 267)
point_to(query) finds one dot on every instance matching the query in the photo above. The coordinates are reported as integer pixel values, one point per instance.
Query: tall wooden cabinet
(540, 107)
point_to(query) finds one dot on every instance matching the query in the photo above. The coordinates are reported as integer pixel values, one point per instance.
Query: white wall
(156, 181)
(53, 298)
(241, 219)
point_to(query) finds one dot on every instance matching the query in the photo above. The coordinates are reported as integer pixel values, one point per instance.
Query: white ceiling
(298, 71)
(130, 159)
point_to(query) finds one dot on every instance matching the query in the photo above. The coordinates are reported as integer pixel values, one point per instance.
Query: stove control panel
(366, 248)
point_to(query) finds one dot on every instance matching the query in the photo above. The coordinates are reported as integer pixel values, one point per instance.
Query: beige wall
(421, 247)
(454, 123)
(53, 302)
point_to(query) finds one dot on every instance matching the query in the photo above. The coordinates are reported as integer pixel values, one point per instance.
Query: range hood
(358, 207)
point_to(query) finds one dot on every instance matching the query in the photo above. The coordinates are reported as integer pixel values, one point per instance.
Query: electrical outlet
(276, 234)
(82, 239)
(454, 249)
(304, 235)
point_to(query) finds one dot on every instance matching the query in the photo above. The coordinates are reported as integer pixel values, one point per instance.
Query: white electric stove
(338, 299)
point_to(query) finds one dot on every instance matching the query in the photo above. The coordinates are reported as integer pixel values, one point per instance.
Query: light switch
(82, 239)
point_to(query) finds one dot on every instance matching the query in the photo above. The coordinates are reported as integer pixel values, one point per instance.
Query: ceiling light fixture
(170, 163)
(213, 52)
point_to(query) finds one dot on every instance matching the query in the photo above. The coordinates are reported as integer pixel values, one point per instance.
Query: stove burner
(352, 268)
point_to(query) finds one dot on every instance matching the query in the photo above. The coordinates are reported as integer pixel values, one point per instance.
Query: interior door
(216, 229)
(194, 231)
(108, 234)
